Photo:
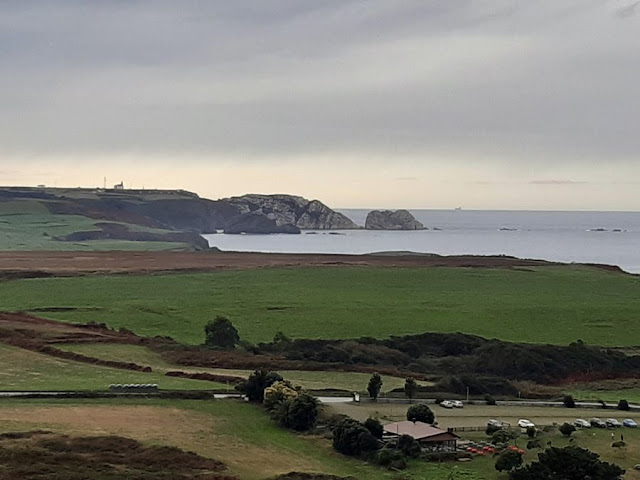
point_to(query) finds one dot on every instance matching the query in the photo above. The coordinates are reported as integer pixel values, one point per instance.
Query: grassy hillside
(238, 434)
(26, 370)
(549, 305)
(310, 380)
(27, 224)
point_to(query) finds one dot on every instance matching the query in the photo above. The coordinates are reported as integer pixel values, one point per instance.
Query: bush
(299, 413)
(420, 413)
(277, 394)
(569, 402)
(489, 399)
(439, 400)
(535, 443)
(619, 444)
(567, 463)
(409, 446)
(508, 460)
(567, 429)
(445, 456)
(375, 427)
(221, 333)
(603, 404)
(350, 437)
(391, 458)
(254, 386)
(531, 432)
(623, 405)
(501, 436)
(491, 429)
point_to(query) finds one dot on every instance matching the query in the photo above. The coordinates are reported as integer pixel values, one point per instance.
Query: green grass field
(26, 370)
(28, 225)
(310, 380)
(546, 305)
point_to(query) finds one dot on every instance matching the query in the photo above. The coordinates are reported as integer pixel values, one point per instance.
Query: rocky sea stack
(392, 220)
(282, 214)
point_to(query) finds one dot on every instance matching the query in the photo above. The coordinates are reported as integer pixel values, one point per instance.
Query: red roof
(419, 431)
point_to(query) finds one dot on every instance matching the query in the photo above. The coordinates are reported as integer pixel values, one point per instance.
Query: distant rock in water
(392, 220)
(258, 223)
(284, 212)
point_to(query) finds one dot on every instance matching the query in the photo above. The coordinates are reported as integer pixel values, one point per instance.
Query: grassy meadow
(541, 305)
(309, 380)
(240, 435)
(26, 370)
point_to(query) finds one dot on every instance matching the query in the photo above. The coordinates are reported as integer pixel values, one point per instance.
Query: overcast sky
(508, 104)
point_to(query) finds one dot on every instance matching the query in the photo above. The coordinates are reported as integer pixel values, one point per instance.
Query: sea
(611, 238)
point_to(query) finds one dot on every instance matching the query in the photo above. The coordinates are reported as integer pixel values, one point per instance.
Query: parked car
(612, 422)
(446, 404)
(457, 403)
(524, 423)
(581, 423)
(596, 422)
(495, 423)
(627, 422)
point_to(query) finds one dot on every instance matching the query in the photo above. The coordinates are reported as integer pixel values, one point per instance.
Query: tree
(420, 413)
(375, 427)
(375, 385)
(350, 437)
(220, 332)
(568, 401)
(508, 460)
(299, 413)
(410, 388)
(254, 386)
(409, 446)
(623, 405)
(568, 463)
(567, 429)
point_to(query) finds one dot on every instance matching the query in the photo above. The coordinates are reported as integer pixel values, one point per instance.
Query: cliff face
(290, 210)
(392, 220)
(185, 211)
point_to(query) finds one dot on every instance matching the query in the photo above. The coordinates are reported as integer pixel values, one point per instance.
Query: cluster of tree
(447, 354)
(568, 463)
(220, 333)
(353, 438)
(289, 406)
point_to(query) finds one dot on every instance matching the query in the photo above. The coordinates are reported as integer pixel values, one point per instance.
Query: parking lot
(478, 415)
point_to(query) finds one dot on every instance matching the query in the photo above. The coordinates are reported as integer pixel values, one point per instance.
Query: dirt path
(21, 264)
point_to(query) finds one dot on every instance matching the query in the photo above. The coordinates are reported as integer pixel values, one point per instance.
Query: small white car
(612, 422)
(524, 423)
(581, 423)
(446, 404)
(457, 403)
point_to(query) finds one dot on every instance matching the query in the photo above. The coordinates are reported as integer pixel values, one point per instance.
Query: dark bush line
(452, 354)
(76, 357)
(210, 377)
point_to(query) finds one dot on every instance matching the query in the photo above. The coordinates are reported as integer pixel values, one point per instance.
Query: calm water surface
(594, 237)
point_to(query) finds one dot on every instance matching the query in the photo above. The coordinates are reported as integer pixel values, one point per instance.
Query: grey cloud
(544, 82)
(557, 182)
